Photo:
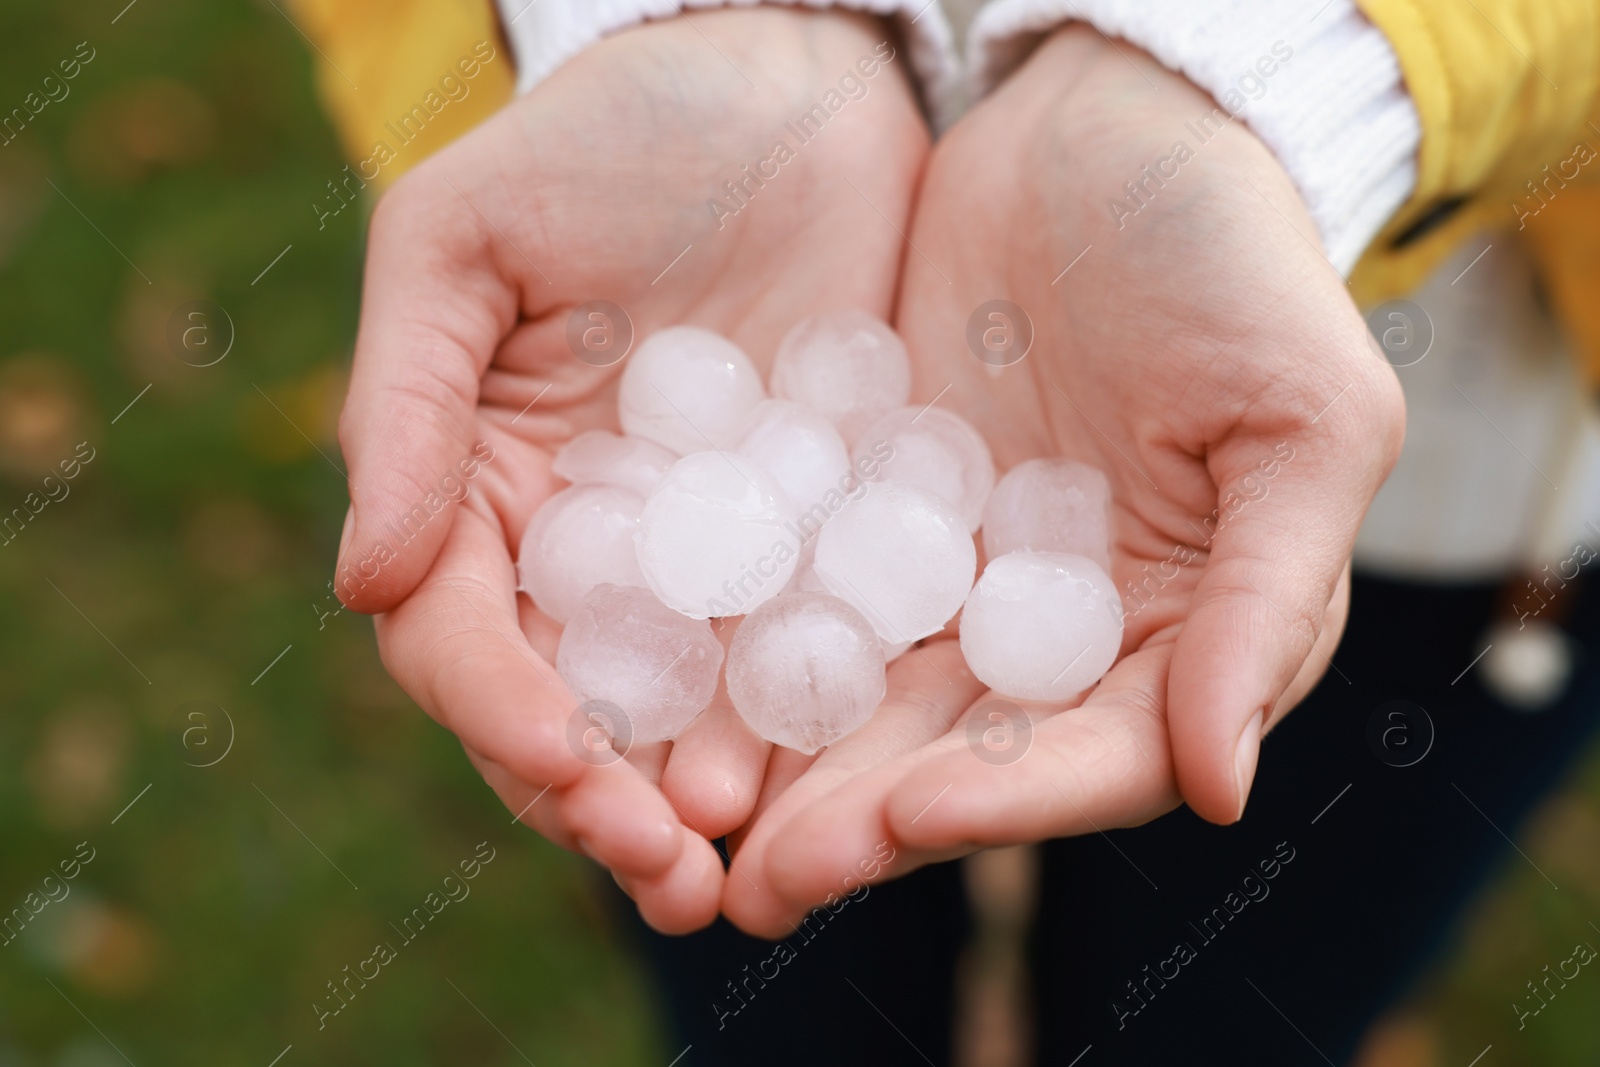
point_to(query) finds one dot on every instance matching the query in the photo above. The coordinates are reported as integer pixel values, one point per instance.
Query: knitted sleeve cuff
(1321, 88)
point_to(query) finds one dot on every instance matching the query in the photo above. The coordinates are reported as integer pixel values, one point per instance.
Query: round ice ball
(805, 669)
(937, 450)
(1041, 625)
(901, 556)
(688, 390)
(625, 647)
(847, 366)
(602, 457)
(579, 538)
(799, 448)
(716, 537)
(1050, 505)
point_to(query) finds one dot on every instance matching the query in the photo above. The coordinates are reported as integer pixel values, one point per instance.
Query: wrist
(765, 60)
(1091, 85)
(1325, 96)
(546, 34)
(1142, 161)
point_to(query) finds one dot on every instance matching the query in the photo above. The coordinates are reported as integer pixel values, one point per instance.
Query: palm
(1205, 356)
(477, 261)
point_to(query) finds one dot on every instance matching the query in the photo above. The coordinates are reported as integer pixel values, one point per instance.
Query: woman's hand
(1204, 354)
(600, 185)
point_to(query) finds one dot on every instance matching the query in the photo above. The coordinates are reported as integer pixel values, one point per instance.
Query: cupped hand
(1195, 344)
(599, 185)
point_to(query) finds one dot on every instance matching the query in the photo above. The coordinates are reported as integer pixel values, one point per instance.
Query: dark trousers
(1274, 941)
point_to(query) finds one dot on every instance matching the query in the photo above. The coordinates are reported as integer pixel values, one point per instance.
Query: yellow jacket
(1507, 92)
(403, 78)
(1506, 89)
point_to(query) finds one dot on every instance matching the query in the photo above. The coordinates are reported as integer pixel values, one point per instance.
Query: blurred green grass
(197, 544)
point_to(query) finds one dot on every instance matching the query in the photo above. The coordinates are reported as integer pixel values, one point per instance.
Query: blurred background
(212, 799)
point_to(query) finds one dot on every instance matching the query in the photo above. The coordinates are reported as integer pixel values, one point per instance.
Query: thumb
(1288, 509)
(433, 310)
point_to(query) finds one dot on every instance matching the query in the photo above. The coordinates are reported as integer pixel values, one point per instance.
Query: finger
(823, 827)
(544, 636)
(713, 776)
(579, 819)
(784, 767)
(650, 760)
(454, 646)
(714, 772)
(681, 895)
(434, 306)
(623, 822)
(677, 898)
(1288, 514)
(1100, 765)
(541, 631)
(1320, 662)
(533, 805)
(684, 898)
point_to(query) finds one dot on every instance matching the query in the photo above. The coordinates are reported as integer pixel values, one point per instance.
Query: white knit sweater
(1335, 112)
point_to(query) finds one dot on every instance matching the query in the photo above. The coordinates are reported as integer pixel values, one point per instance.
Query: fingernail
(1244, 757)
(349, 526)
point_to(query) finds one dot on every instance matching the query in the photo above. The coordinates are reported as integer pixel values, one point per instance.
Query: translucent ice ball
(901, 556)
(805, 669)
(937, 450)
(845, 365)
(688, 390)
(579, 538)
(1041, 625)
(717, 536)
(1050, 505)
(602, 457)
(799, 448)
(659, 667)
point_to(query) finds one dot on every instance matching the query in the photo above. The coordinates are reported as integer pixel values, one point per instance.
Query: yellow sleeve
(1507, 92)
(403, 78)
(1503, 88)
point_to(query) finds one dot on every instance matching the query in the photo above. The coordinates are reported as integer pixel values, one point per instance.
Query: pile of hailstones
(835, 519)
